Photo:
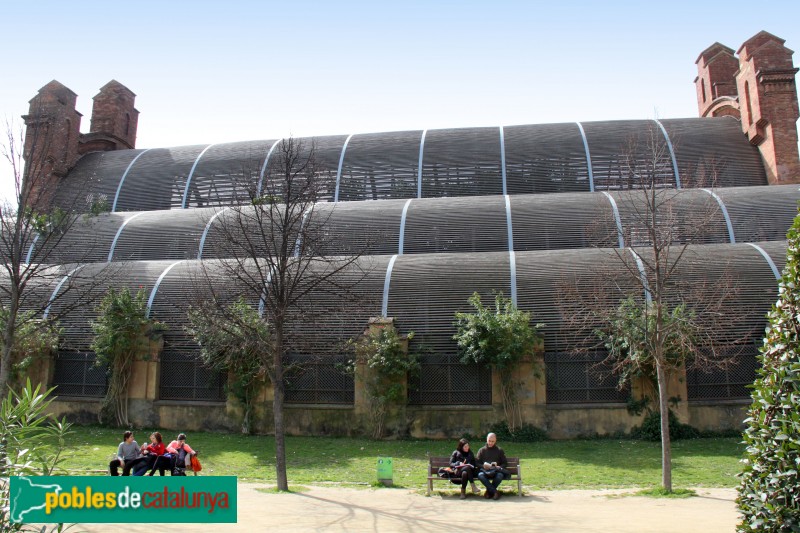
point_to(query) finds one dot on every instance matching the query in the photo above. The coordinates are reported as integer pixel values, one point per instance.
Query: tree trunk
(277, 406)
(5, 360)
(5, 371)
(666, 447)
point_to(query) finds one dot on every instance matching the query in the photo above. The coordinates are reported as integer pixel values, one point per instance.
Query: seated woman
(182, 452)
(462, 461)
(155, 455)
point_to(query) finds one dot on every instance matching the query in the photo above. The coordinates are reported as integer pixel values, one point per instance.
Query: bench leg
(519, 487)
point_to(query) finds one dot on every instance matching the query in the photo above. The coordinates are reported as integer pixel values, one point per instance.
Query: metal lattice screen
(444, 380)
(311, 379)
(580, 378)
(76, 375)
(184, 377)
(729, 383)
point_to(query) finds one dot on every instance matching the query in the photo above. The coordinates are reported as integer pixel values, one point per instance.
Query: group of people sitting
(489, 466)
(175, 457)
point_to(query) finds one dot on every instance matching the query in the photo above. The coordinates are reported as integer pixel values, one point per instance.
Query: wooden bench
(437, 462)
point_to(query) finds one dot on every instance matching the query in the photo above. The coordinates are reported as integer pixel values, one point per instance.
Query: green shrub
(498, 337)
(651, 428)
(769, 494)
(524, 433)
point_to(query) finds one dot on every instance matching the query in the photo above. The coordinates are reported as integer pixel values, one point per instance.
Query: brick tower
(114, 120)
(768, 104)
(53, 142)
(52, 138)
(716, 81)
(758, 88)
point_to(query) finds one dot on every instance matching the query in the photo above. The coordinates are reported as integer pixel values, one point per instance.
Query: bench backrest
(435, 462)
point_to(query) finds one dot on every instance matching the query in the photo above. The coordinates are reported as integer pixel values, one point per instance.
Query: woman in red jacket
(155, 454)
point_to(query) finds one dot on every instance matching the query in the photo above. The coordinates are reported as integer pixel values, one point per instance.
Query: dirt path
(337, 509)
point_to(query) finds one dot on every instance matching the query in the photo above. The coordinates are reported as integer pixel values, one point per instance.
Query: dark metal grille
(184, 377)
(378, 166)
(311, 379)
(545, 158)
(76, 375)
(622, 155)
(712, 152)
(444, 380)
(461, 162)
(580, 378)
(729, 383)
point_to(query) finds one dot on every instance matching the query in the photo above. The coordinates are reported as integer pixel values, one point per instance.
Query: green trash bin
(385, 472)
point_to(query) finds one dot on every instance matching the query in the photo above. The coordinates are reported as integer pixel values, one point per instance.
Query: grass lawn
(584, 464)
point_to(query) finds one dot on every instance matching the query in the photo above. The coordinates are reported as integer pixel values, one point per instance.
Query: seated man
(492, 461)
(128, 455)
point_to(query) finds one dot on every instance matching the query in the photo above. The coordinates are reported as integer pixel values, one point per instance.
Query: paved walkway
(351, 510)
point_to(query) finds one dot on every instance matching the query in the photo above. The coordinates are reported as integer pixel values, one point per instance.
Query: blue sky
(209, 72)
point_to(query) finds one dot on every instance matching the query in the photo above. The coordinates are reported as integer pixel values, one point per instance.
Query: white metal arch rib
(58, 288)
(191, 174)
(122, 179)
(671, 153)
(339, 170)
(588, 156)
(724, 214)
(155, 287)
(264, 167)
(386, 282)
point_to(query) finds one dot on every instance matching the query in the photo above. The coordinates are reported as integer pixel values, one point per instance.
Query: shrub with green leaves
(651, 428)
(235, 340)
(498, 337)
(769, 494)
(389, 364)
(32, 338)
(31, 443)
(122, 331)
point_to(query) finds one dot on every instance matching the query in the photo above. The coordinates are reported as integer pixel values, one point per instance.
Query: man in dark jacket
(491, 460)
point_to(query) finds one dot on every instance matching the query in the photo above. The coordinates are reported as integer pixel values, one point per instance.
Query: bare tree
(655, 318)
(276, 249)
(31, 227)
